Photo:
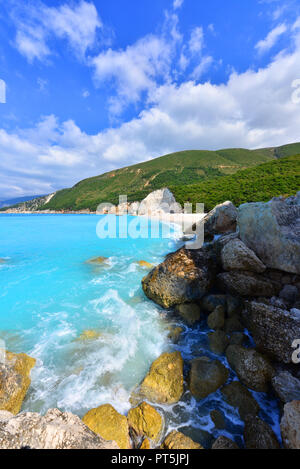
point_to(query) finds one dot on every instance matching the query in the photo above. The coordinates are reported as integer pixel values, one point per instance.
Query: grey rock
(286, 387)
(247, 284)
(216, 319)
(221, 219)
(239, 397)
(290, 425)
(272, 231)
(237, 256)
(206, 376)
(259, 435)
(222, 442)
(56, 430)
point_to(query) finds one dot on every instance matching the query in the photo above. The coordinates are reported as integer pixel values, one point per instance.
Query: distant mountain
(261, 183)
(177, 171)
(173, 170)
(18, 200)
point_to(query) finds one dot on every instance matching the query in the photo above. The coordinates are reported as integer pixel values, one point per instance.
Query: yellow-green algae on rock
(108, 423)
(145, 421)
(145, 264)
(164, 382)
(177, 440)
(88, 334)
(14, 380)
(97, 260)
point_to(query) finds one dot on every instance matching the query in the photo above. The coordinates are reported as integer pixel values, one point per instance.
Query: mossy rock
(189, 312)
(177, 440)
(14, 380)
(206, 376)
(108, 423)
(145, 421)
(164, 382)
(218, 342)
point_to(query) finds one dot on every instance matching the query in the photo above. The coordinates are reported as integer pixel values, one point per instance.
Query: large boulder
(184, 276)
(272, 231)
(247, 284)
(109, 424)
(238, 396)
(55, 430)
(259, 435)
(144, 420)
(222, 219)
(286, 387)
(290, 425)
(206, 376)
(160, 201)
(236, 256)
(216, 319)
(14, 380)
(252, 368)
(164, 382)
(274, 329)
(218, 342)
(177, 440)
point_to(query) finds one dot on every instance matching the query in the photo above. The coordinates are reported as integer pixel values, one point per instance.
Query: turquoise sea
(50, 295)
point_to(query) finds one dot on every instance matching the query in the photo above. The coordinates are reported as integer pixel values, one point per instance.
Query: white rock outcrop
(160, 201)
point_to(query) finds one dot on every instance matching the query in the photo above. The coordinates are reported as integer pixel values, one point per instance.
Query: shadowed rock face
(236, 256)
(290, 425)
(184, 276)
(14, 380)
(258, 435)
(286, 387)
(272, 231)
(247, 284)
(222, 219)
(56, 430)
(222, 442)
(206, 376)
(273, 329)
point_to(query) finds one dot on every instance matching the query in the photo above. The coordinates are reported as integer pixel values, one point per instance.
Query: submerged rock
(259, 435)
(145, 421)
(236, 256)
(290, 425)
(145, 264)
(97, 260)
(239, 397)
(109, 424)
(253, 369)
(273, 329)
(247, 284)
(286, 387)
(14, 380)
(174, 333)
(190, 313)
(89, 334)
(177, 440)
(184, 276)
(222, 219)
(55, 430)
(272, 230)
(164, 382)
(222, 442)
(206, 376)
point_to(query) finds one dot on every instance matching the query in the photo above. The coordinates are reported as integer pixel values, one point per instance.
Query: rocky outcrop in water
(55, 430)
(109, 424)
(222, 442)
(144, 420)
(236, 256)
(206, 376)
(286, 387)
(14, 380)
(164, 382)
(222, 219)
(185, 276)
(259, 435)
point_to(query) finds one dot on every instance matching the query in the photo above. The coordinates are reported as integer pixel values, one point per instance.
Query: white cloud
(37, 24)
(177, 4)
(85, 94)
(253, 109)
(202, 67)
(196, 41)
(266, 44)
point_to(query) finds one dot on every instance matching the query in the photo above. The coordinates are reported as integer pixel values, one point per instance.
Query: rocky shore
(245, 284)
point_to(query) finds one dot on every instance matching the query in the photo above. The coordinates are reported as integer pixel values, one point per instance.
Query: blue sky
(94, 85)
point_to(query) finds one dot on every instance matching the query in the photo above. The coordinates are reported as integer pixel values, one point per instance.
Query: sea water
(50, 296)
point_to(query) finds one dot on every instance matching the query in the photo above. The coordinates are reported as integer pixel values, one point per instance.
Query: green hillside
(176, 169)
(261, 183)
